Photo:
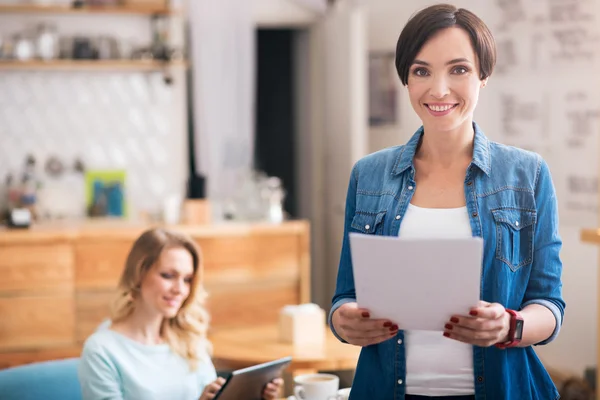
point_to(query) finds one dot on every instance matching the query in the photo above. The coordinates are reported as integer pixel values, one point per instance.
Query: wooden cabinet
(100, 263)
(30, 321)
(36, 268)
(58, 283)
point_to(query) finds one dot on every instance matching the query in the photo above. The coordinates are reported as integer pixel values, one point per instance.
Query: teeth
(440, 108)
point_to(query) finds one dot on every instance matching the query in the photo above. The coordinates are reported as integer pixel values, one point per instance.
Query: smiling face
(443, 81)
(167, 283)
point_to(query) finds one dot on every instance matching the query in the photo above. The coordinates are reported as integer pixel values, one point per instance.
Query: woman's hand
(356, 327)
(211, 389)
(273, 389)
(485, 326)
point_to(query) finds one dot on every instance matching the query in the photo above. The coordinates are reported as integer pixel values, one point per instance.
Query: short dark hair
(430, 20)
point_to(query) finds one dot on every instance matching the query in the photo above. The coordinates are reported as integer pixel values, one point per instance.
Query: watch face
(519, 329)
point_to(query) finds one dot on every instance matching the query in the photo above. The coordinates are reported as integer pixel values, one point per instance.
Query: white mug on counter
(316, 387)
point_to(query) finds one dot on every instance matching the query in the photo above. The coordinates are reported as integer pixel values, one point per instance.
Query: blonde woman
(156, 346)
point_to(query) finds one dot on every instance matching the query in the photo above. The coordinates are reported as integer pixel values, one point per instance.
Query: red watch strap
(515, 330)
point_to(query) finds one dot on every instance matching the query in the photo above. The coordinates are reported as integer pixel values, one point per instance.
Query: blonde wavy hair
(185, 333)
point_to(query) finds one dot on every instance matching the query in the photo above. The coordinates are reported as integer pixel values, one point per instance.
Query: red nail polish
(448, 326)
(394, 327)
(473, 313)
(387, 324)
(365, 314)
(446, 334)
(454, 319)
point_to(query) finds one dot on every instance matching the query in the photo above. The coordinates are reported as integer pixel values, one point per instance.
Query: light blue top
(115, 367)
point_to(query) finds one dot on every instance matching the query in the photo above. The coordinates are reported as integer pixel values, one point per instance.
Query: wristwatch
(515, 332)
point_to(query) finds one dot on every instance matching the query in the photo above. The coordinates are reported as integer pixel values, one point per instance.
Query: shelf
(65, 9)
(591, 236)
(89, 65)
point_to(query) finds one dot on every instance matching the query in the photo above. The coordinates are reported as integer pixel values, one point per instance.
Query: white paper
(416, 283)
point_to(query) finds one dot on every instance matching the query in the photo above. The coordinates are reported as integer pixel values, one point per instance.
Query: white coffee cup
(316, 387)
(343, 394)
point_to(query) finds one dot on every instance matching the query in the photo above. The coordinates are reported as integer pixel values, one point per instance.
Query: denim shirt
(512, 205)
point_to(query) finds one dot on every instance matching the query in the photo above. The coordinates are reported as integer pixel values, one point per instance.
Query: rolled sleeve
(557, 316)
(335, 306)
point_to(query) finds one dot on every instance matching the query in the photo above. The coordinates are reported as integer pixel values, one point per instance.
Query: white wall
(575, 348)
(331, 132)
(386, 19)
(283, 13)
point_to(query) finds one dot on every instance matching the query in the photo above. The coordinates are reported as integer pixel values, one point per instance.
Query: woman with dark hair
(450, 181)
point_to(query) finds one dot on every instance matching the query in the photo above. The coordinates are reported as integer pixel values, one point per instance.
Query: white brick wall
(111, 120)
(129, 120)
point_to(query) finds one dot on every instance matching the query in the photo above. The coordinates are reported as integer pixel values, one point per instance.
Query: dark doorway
(274, 143)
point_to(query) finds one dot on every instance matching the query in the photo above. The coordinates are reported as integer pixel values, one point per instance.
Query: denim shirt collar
(481, 152)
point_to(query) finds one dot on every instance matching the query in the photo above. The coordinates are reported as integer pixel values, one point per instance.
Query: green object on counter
(105, 193)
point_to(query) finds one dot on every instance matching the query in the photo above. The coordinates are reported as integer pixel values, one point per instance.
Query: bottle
(29, 184)
(13, 192)
(275, 198)
(16, 216)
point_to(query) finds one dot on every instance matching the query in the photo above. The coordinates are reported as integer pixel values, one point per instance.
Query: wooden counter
(244, 347)
(49, 233)
(58, 280)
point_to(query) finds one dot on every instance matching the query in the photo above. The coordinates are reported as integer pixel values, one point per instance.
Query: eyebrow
(174, 270)
(454, 61)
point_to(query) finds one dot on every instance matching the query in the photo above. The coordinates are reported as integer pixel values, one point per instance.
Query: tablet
(249, 383)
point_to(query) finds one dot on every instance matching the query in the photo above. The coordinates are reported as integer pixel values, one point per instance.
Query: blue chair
(48, 380)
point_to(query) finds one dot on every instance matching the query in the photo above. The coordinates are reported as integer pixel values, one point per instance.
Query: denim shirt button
(469, 183)
(480, 379)
(397, 216)
(399, 341)
(475, 214)
(367, 227)
(399, 381)
(410, 188)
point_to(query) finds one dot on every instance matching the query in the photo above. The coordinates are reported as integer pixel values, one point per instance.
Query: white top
(115, 367)
(436, 365)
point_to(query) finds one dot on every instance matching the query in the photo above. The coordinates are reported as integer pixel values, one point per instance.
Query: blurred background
(220, 113)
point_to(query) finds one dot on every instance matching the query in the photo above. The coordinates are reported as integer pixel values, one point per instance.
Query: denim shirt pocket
(514, 236)
(368, 222)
